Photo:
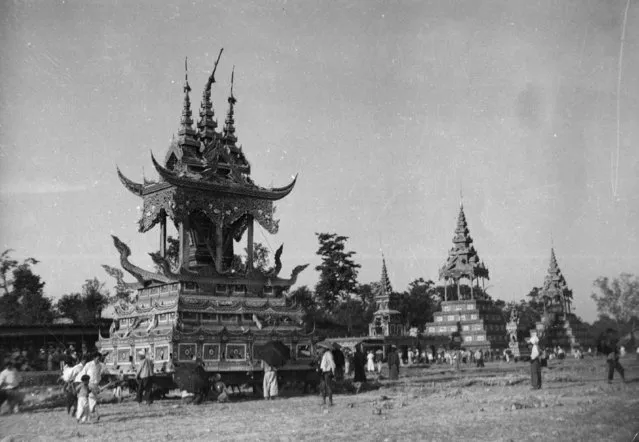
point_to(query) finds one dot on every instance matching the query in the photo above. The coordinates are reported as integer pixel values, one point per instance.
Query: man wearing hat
(144, 376)
(535, 364)
(327, 368)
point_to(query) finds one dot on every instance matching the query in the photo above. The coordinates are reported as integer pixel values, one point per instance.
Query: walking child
(83, 390)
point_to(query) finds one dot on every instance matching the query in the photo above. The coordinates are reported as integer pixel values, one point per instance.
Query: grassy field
(490, 404)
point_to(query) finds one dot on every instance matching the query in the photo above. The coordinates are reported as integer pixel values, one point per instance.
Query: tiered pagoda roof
(555, 290)
(383, 296)
(463, 260)
(205, 188)
(205, 163)
(554, 283)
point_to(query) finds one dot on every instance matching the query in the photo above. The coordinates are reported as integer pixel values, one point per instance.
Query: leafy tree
(417, 303)
(350, 313)
(304, 297)
(535, 301)
(6, 267)
(338, 272)
(599, 327)
(172, 254)
(261, 255)
(85, 307)
(366, 294)
(618, 299)
(173, 251)
(23, 302)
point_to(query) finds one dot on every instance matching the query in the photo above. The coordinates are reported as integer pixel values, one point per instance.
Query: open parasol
(274, 353)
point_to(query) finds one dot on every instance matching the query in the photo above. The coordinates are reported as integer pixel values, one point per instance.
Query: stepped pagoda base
(479, 324)
(565, 331)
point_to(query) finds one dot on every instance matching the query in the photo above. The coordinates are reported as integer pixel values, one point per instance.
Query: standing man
(479, 358)
(610, 347)
(9, 382)
(393, 363)
(535, 364)
(340, 362)
(327, 367)
(359, 365)
(269, 384)
(69, 374)
(144, 376)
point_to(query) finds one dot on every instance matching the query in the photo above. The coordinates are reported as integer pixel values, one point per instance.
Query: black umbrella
(274, 353)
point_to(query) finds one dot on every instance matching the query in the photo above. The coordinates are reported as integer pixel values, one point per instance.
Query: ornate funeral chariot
(202, 304)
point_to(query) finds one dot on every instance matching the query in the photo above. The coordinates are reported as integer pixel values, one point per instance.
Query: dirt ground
(490, 404)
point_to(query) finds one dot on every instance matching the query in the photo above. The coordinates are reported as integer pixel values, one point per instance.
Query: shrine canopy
(463, 261)
(207, 172)
(555, 292)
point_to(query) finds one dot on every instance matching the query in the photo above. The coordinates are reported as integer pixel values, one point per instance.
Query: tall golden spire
(207, 123)
(186, 134)
(229, 126)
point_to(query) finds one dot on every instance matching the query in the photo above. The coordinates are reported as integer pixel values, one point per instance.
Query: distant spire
(461, 230)
(229, 126)
(207, 123)
(553, 268)
(386, 288)
(554, 283)
(186, 134)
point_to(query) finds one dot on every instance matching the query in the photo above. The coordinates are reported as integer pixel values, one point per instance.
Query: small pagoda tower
(466, 313)
(559, 326)
(519, 349)
(204, 304)
(387, 321)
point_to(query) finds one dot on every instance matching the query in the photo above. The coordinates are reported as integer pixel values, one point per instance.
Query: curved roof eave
(272, 194)
(132, 186)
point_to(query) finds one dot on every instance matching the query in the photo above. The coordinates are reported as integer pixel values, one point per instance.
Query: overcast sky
(387, 110)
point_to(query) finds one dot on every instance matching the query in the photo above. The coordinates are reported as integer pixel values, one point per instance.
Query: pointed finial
(186, 134)
(386, 287)
(461, 194)
(232, 80)
(207, 123)
(229, 127)
(187, 88)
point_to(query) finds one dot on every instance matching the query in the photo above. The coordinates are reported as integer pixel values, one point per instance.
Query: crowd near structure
(208, 305)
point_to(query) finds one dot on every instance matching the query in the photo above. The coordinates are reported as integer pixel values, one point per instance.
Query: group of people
(30, 358)
(608, 346)
(82, 379)
(81, 384)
